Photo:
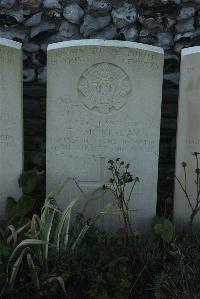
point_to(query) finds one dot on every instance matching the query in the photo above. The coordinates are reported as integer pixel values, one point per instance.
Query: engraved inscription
(103, 139)
(104, 88)
(6, 56)
(6, 140)
(75, 56)
(193, 142)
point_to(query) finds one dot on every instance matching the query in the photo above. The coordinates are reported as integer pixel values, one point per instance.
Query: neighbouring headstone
(188, 135)
(11, 120)
(104, 102)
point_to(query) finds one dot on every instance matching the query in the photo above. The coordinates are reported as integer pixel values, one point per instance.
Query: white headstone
(188, 135)
(11, 119)
(104, 102)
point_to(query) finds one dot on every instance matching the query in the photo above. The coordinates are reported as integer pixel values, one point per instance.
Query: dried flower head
(197, 171)
(127, 177)
(184, 164)
(104, 187)
(116, 172)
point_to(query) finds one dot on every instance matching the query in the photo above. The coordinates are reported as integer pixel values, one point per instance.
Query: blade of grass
(33, 272)
(46, 227)
(15, 234)
(27, 243)
(15, 270)
(62, 221)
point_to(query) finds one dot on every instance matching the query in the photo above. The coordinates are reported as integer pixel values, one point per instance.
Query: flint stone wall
(170, 24)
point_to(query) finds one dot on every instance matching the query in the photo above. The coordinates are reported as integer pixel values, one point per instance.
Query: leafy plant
(162, 228)
(30, 180)
(16, 211)
(96, 269)
(43, 256)
(47, 237)
(9, 237)
(20, 211)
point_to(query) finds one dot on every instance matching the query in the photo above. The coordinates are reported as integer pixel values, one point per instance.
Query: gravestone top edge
(10, 43)
(104, 43)
(190, 51)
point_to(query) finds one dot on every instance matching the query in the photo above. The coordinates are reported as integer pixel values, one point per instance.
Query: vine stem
(185, 191)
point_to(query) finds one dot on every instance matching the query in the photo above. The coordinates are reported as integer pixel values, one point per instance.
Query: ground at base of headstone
(103, 267)
(46, 256)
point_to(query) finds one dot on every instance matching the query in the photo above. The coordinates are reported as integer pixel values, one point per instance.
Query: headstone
(104, 102)
(11, 116)
(188, 135)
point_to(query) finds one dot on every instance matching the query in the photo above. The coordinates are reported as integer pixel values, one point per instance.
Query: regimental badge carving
(104, 88)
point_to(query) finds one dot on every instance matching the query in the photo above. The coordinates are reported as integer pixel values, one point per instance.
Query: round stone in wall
(104, 88)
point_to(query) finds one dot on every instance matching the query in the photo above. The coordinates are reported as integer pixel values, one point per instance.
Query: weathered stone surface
(170, 22)
(11, 140)
(130, 33)
(146, 37)
(17, 14)
(53, 14)
(125, 15)
(51, 3)
(35, 59)
(165, 40)
(185, 40)
(172, 77)
(188, 140)
(13, 33)
(186, 12)
(42, 75)
(31, 47)
(27, 12)
(96, 112)
(44, 27)
(108, 33)
(29, 75)
(66, 31)
(34, 20)
(31, 3)
(73, 13)
(100, 6)
(178, 47)
(152, 23)
(7, 3)
(92, 24)
(185, 25)
(171, 56)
